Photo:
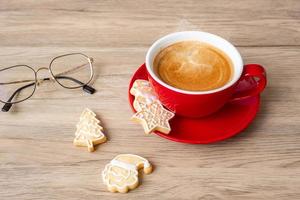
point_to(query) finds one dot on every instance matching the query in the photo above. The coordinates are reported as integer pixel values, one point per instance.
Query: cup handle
(258, 75)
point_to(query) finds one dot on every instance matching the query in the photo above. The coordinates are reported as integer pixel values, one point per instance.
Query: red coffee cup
(202, 103)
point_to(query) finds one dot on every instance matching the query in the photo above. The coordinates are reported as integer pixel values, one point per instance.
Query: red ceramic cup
(202, 103)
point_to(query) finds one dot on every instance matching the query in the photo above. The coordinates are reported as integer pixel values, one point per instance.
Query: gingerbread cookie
(142, 90)
(121, 174)
(153, 117)
(89, 132)
(140, 102)
(150, 113)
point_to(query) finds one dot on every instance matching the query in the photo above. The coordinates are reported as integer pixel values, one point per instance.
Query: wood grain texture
(37, 158)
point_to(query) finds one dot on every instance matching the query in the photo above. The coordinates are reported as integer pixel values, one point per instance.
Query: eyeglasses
(19, 82)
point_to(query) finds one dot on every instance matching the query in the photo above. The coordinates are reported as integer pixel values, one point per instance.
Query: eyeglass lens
(17, 82)
(71, 71)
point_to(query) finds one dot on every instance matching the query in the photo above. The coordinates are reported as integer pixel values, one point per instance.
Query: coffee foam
(193, 65)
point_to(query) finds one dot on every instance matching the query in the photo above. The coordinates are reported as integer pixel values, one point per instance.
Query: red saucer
(227, 122)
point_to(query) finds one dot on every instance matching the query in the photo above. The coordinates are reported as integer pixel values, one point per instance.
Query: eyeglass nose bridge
(42, 68)
(39, 81)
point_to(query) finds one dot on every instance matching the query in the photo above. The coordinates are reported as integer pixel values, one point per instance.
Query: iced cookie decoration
(140, 103)
(121, 174)
(142, 90)
(89, 132)
(154, 117)
(150, 113)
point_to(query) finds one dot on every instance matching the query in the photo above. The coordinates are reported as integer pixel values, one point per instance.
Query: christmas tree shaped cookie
(89, 132)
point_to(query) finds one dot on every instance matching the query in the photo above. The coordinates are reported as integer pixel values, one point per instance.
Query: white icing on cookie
(89, 132)
(147, 164)
(122, 164)
(121, 174)
(149, 96)
(143, 88)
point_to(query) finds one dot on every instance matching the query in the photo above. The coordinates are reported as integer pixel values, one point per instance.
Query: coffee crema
(193, 66)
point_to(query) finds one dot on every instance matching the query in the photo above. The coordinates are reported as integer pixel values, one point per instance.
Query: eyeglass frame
(35, 82)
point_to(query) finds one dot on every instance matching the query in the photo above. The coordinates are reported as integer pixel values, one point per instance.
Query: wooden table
(37, 157)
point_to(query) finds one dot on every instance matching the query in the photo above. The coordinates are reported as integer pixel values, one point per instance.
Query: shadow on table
(259, 120)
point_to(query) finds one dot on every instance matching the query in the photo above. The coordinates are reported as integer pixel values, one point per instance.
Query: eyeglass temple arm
(86, 88)
(7, 106)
